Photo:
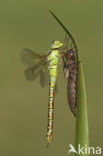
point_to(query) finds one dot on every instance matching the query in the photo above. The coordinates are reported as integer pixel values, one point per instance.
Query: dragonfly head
(56, 45)
(70, 54)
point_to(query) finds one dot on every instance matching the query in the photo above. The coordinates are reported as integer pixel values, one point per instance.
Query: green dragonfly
(46, 66)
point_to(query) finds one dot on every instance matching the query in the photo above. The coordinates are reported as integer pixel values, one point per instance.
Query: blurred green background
(23, 105)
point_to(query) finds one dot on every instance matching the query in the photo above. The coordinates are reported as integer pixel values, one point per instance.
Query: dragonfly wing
(44, 78)
(35, 63)
(30, 58)
(32, 73)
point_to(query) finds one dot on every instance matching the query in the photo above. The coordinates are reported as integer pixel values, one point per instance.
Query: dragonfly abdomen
(71, 73)
(71, 94)
(53, 60)
(51, 104)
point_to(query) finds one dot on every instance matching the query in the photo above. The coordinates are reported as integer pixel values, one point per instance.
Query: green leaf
(82, 136)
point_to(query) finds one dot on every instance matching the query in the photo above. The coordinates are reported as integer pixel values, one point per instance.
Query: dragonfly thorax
(56, 45)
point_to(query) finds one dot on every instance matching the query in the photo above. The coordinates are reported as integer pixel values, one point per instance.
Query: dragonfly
(45, 66)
